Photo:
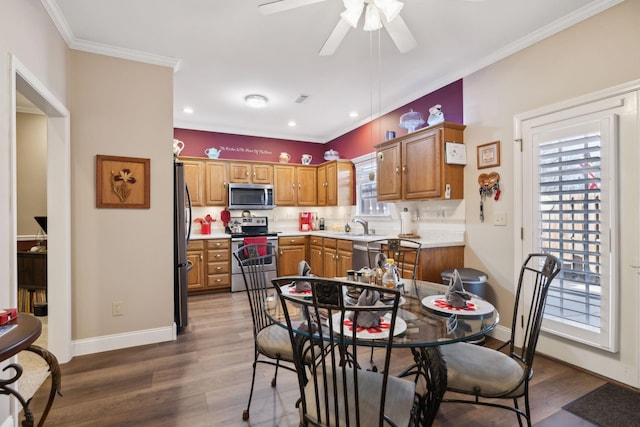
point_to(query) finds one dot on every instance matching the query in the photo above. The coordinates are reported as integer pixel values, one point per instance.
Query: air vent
(301, 99)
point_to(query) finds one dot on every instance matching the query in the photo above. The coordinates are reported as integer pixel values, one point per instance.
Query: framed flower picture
(122, 182)
(489, 155)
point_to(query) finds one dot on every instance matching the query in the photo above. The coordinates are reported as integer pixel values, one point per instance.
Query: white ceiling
(224, 50)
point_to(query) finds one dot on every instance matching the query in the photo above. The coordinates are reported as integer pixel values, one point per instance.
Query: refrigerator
(181, 234)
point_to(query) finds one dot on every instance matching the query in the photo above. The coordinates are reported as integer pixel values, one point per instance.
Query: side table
(19, 335)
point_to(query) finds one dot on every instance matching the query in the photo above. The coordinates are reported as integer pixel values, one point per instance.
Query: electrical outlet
(117, 308)
(500, 218)
(447, 191)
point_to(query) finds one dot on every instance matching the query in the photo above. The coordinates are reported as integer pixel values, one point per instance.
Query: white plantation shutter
(572, 205)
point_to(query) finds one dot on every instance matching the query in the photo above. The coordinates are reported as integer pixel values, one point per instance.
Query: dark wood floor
(203, 379)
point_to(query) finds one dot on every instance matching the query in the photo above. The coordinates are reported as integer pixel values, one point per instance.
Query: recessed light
(292, 123)
(256, 101)
(188, 110)
(353, 114)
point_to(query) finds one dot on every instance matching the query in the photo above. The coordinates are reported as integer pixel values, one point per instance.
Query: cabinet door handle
(398, 169)
(299, 186)
(201, 257)
(404, 169)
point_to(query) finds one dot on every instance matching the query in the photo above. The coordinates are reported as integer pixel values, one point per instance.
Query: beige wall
(121, 108)
(593, 55)
(31, 161)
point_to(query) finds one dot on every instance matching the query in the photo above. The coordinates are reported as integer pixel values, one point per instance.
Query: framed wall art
(489, 155)
(122, 182)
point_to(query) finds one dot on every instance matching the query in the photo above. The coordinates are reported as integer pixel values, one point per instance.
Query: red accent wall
(362, 140)
(352, 144)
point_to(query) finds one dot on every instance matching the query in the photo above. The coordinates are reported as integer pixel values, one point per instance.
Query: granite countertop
(436, 239)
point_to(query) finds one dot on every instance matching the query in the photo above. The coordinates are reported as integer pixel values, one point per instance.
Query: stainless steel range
(242, 228)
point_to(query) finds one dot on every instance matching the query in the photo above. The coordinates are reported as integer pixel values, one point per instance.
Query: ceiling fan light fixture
(372, 18)
(256, 101)
(389, 8)
(352, 12)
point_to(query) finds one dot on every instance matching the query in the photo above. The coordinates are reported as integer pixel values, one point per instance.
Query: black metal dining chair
(491, 374)
(335, 391)
(405, 254)
(271, 341)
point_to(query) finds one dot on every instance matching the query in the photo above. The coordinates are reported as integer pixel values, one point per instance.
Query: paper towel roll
(406, 225)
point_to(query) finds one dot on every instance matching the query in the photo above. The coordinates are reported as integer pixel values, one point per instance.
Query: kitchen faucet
(363, 222)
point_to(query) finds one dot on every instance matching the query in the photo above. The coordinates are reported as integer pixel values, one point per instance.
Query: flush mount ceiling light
(256, 101)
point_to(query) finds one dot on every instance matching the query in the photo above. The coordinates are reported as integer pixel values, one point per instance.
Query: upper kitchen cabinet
(335, 183)
(194, 176)
(217, 183)
(250, 173)
(413, 167)
(294, 185)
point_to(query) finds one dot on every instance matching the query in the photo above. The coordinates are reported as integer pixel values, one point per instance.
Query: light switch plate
(500, 219)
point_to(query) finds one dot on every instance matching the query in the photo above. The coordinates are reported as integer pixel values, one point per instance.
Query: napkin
(303, 270)
(456, 295)
(367, 319)
(380, 260)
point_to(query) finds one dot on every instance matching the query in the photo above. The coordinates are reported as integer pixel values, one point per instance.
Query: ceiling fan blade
(282, 5)
(335, 38)
(400, 34)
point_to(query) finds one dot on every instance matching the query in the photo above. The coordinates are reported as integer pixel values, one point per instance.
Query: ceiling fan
(377, 13)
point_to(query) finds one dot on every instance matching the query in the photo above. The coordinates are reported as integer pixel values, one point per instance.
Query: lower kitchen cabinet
(291, 250)
(195, 255)
(218, 265)
(334, 259)
(434, 261)
(211, 269)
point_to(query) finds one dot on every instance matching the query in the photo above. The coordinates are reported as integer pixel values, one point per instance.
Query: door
(194, 175)
(307, 188)
(421, 166)
(580, 202)
(216, 186)
(389, 179)
(322, 185)
(284, 185)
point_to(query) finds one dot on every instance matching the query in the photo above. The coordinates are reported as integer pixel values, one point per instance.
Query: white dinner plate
(379, 332)
(474, 307)
(291, 290)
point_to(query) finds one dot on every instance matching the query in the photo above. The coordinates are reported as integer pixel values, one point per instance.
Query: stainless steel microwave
(251, 196)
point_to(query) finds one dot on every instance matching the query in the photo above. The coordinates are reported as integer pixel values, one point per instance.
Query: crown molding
(51, 6)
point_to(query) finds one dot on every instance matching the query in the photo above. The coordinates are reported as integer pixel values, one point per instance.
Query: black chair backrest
(254, 261)
(536, 275)
(405, 253)
(334, 388)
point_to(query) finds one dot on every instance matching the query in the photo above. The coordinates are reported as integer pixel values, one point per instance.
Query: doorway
(58, 204)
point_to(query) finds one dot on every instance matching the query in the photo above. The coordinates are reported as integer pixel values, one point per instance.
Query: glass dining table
(431, 323)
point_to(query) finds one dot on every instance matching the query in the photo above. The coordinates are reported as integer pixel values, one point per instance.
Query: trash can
(474, 281)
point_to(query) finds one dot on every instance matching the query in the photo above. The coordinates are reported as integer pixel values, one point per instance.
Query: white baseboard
(126, 340)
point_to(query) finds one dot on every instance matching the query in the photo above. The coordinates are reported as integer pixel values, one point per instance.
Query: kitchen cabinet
(433, 261)
(291, 250)
(195, 179)
(196, 276)
(211, 269)
(337, 257)
(413, 166)
(315, 255)
(216, 184)
(250, 173)
(218, 265)
(295, 185)
(335, 183)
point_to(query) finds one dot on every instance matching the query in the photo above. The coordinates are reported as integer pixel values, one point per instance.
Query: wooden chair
(405, 253)
(335, 391)
(486, 373)
(271, 341)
